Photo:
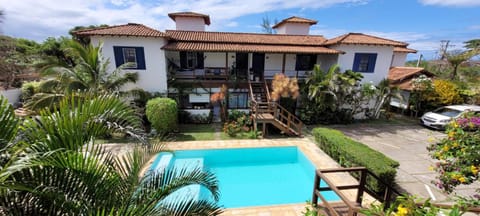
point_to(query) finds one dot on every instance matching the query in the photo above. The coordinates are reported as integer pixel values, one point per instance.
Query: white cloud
(457, 3)
(35, 19)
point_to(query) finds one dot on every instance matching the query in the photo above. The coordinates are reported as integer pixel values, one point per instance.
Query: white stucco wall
(326, 61)
(399, 59)
(382, 65)
(214, 59)
(154, 77)
(12, 95)
(294, 29)
(190, 23)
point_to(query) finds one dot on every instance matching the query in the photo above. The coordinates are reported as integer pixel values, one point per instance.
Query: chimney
(294, 26)
(190, 21)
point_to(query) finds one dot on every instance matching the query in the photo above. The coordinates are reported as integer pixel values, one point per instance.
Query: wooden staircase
(266, 111)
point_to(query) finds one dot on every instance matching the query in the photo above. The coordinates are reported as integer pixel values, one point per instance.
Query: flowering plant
(458, 154)
(408, 206)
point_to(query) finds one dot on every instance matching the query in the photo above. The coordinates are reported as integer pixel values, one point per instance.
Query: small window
(130, 57)
(238, 100)
(191, 60)
(134, 56)
(305, 62)
(364, 62)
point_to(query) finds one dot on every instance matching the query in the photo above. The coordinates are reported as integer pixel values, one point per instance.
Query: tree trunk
(454, 72)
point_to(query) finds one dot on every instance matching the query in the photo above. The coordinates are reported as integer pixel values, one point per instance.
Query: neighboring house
(195, 62)
(402, 77)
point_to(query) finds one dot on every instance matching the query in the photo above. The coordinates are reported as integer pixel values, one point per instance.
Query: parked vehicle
(440, 117)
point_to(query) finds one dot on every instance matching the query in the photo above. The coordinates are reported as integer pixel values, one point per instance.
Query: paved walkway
(406, 144)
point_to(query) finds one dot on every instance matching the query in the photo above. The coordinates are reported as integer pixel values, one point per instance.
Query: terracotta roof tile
(130, 29)
(190, 14)
(233, 47)
(404, 50)
(402, 76)
(250, 38)
(295, 19)
(359, 38)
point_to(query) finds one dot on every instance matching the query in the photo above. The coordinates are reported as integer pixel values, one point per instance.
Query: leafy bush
(162, 113)
(29, 89)
(458, 154)
(445, 92)
(350, 153)
(239, 122)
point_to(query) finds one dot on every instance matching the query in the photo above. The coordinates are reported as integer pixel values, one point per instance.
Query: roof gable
(130, 29)
(402, 76)
(246, 38)
(295, 19)
(363, 39)
(205, 17)
(404, 50)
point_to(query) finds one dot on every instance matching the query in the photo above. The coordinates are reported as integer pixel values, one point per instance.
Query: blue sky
(422, 23)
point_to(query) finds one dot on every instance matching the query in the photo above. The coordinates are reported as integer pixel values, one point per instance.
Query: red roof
(130, 29)
(404, 50)
(250, 38)
(295, 19)
(402, 76)
(363, 39)
(237, 47)
(205, 17)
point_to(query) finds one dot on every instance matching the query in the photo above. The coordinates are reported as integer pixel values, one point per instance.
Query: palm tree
(54, 167)
(88, 74)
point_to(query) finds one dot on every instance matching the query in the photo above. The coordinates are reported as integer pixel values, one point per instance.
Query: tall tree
(51, 165)
(472, 44)
(89, 73)
(83, 40)
(457, 57)
(267, 25)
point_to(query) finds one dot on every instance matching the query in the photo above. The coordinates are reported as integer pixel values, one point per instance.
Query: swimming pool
(250, 176)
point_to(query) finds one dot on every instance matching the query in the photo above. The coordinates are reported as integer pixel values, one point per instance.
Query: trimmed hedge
(350, 153)
(162, 113)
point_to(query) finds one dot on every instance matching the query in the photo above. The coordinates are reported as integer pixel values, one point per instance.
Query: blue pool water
(250, 176)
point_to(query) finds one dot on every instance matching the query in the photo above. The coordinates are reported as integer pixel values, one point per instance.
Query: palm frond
(9, 123)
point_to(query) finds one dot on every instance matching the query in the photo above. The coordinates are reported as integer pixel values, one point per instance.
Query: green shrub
(162, 113)
(350, 153)
(29, 89)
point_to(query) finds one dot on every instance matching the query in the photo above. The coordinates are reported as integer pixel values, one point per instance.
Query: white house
(195, 62)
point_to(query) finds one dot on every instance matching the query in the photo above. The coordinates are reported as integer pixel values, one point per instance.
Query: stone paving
(406, 144)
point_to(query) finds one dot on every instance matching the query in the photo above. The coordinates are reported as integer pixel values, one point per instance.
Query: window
(191, 60)
(364, 62)
(305, 62)
(134, 56)
(130, 57)
(238, 100)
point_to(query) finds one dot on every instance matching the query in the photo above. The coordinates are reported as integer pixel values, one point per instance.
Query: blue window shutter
(140, 58)
(356, 62)
(200, 60)
(118, 53)
(313, 61)
(372, 59)
(183, 59)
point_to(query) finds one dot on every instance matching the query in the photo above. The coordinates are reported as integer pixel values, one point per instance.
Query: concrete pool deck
(310, 150)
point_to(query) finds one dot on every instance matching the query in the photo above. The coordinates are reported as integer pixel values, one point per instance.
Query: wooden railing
(355, 206)
(276, 110)
(287, 118)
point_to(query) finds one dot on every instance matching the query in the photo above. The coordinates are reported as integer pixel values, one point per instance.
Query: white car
(440, 117)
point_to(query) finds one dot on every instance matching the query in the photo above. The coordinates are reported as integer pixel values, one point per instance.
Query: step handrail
(289, 119)
(267, 90)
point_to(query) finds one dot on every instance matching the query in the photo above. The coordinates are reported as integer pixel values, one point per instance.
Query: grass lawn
(191, 132)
